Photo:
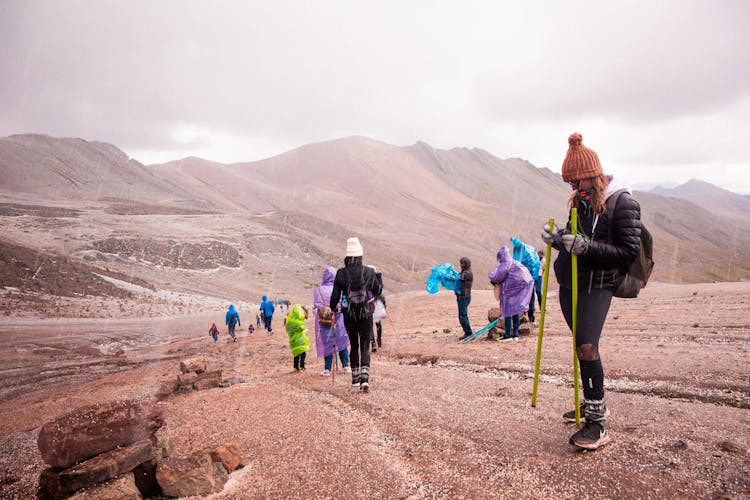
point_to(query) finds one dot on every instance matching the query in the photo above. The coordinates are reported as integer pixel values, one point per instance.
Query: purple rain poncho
(516, 284)
(323, 337)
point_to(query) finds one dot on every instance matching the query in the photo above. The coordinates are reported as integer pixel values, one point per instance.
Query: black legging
(593, 306)
(359, 332)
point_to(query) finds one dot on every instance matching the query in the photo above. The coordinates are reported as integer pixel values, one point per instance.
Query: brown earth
(442, 420)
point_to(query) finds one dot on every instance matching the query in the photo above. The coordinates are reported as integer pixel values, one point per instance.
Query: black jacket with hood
(605, 263)
(467, 277)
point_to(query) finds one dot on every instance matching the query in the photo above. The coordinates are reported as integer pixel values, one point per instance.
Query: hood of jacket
(264, 298)
(329, 274)
(231, 308)
(613, 187)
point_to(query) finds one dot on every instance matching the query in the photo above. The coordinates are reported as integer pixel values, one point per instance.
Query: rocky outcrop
(97, 429)
(203, 473)
(197, 475)
(122, 488)
(196, 365)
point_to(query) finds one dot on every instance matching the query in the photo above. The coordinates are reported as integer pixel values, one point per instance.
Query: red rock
(228, 454)
(121, 488)
(95, 429)
(208, 380)
(193, 365)
(56, 483)
(145, 479)
(186, 379)
(198, 475)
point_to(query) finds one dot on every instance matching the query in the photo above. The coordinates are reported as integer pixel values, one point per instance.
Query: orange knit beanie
(580, 162)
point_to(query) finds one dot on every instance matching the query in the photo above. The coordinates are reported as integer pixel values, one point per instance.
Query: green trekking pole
(545, 282)
(574, 306)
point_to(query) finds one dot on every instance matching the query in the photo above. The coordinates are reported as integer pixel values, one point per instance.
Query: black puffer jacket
(604, 263)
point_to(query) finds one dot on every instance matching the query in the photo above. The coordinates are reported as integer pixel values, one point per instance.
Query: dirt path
(442, 420)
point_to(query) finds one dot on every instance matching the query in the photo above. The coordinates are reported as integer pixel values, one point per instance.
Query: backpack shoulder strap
(611, 204)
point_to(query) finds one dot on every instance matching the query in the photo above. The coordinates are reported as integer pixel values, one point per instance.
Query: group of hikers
(605, 245)
(606, 240)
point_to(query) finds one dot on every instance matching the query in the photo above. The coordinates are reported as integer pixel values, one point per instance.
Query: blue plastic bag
(445, 275)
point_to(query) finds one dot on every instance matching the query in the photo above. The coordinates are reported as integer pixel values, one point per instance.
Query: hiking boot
(591, 436)
(504, 339)
(570, 416)
(515, 339)
(364, 387)
(347, 369)
(355, 384)
(325, 373)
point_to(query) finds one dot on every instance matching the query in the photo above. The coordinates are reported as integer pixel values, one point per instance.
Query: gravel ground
(442, 420)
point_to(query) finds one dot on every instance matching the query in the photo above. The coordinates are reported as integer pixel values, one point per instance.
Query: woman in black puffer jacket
(604, 255)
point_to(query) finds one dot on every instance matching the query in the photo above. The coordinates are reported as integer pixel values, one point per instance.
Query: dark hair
(352, 261)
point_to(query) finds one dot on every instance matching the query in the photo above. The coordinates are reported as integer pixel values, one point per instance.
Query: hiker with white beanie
(355, 285)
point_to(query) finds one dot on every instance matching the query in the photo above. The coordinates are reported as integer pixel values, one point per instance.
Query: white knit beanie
(353, 247)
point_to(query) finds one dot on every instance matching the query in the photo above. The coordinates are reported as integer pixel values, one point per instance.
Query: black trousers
(379, 328)
(299, 361)
(359, 332)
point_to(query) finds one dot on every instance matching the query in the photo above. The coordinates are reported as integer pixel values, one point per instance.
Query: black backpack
(356, 305)
(640, 269)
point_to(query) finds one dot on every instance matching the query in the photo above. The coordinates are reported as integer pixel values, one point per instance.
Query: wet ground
(443, 419)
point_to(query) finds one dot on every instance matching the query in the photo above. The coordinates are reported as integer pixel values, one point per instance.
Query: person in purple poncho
(325, 336)
(513, 287)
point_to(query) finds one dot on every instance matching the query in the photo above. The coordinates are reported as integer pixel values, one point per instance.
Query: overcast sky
(659, 89)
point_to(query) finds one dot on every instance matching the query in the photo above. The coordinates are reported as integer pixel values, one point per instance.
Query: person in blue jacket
(268, 308)
(232, 320)
(526, 255)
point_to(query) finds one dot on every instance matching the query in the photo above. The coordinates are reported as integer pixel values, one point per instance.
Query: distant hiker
(603, 260)
(513, 287)
(329, 326)
(250, 329)
(214, 332)
(526, 255)
(297, 332)
(351, 286)
(463, 295)
(266, 310)
(376, 304)
(232, 320)
(257, 321)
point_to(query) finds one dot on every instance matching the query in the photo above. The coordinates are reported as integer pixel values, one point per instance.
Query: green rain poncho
(295, 328)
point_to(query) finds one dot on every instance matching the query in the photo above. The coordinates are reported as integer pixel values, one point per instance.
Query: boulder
(121, 488)
(56, 483)
(186, 380)
(193, 365)
(166, 388)
(228, 454)
(197, 475)
(95, 429)
(208, 380)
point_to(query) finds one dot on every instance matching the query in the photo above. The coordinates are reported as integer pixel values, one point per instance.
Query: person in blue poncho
(232, 320)
(267, 308)
(526, 255)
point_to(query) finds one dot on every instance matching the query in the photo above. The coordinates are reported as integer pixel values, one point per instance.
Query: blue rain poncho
(526, 255)
(445, 275)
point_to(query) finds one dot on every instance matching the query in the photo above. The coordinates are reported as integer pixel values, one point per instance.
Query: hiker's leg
(531, 307)
(538, 289)
(592, 313)
(516, 324)
(463, 314)
(379, 326)
(328, 362)
(354, 343)
(296, 362)
(344, 356)
(302, 360)
(365, 330)
(508, 320)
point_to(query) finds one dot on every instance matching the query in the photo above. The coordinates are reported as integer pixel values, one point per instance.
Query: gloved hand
(577, 244)
(550, 235)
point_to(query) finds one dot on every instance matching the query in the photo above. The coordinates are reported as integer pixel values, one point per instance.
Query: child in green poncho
(298, 341)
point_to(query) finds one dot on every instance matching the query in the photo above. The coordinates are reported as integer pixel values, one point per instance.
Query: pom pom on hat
(580, 162)
(354, 247)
